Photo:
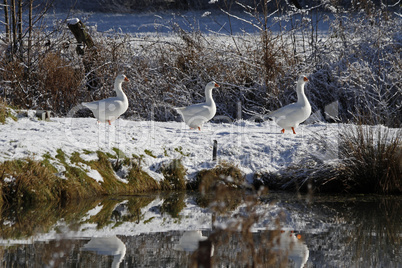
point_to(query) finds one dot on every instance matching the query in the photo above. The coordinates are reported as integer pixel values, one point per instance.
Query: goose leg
(110, 123)
(293, 130)
(199, 128)
(283, 130)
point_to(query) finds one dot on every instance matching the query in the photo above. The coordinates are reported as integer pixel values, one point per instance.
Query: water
(164, 230)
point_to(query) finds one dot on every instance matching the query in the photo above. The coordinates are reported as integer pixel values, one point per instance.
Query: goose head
(121, 78)
(302, 80)
(211, 85)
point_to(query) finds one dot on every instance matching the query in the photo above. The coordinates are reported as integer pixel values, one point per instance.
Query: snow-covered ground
(253, 147)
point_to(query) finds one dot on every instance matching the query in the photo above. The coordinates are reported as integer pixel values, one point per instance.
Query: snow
(94, 174)
(253, 147)
(73, 21)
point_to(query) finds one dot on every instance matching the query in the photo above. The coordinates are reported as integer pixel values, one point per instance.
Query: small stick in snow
(214, 150)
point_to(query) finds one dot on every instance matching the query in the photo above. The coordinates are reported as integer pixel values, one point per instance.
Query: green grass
(149, 152)
(30, 181)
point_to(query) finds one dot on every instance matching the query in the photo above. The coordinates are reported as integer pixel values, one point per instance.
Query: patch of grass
(75, 158)
(140, 181)
(30, 181)
(77, 177)
(61, 156)
(5, 112)
(224, 173)
(121, 160)
(372, 160)
(118, 152)
(220, 186)
(149, 152)
(103, 165)
(180, 151)
(174, 173)
(149, 220)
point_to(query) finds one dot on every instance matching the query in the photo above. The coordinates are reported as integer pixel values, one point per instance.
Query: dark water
(236, 229)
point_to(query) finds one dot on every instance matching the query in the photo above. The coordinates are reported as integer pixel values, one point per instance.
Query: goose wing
(193, 110)
(285, 110)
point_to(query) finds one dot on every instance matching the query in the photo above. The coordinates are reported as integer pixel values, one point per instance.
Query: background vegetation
(355, 67)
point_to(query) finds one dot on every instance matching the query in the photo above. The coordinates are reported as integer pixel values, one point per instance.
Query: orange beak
(126, 79)
(305, 79)
(216, 85)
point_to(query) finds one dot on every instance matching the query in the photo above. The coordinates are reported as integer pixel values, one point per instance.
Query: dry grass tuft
(226, 174)
(174, 173)
(28, 181)
(5, 112)
(140, 181)
(218, 185)
(372, 160)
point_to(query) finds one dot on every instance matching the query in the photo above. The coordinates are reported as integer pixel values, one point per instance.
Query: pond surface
(229, 229)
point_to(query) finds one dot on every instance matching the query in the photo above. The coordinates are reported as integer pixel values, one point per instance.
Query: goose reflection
(287, 243)
(110, 245)
(189, 241)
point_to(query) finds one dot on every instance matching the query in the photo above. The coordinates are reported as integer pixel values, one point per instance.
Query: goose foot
(111, 124)
(199, 128)
(283, 130)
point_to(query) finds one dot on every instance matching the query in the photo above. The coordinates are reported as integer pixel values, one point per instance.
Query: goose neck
(301, 97)
(208, 96)
(119, 90)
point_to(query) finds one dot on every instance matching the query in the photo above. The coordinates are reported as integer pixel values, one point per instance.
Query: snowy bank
(253, 147)
(257, 149)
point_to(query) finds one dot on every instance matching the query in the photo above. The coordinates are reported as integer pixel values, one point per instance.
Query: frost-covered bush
(361, 69)
(357, 66)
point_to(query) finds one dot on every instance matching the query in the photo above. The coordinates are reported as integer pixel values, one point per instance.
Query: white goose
(197, 114)
(290, 116)
(108, 110)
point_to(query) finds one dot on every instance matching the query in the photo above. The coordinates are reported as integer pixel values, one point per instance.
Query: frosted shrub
(362, 70)
(357, 65)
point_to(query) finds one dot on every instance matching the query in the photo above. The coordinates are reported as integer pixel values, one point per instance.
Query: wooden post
(204, 254)
(84, 40)
(214, 150)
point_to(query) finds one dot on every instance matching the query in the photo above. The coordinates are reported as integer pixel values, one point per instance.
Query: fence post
(214, 150)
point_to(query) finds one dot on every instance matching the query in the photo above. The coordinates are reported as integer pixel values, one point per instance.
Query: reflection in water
(110, 245)
(290, 245)
(190, 240)
(158, 231)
